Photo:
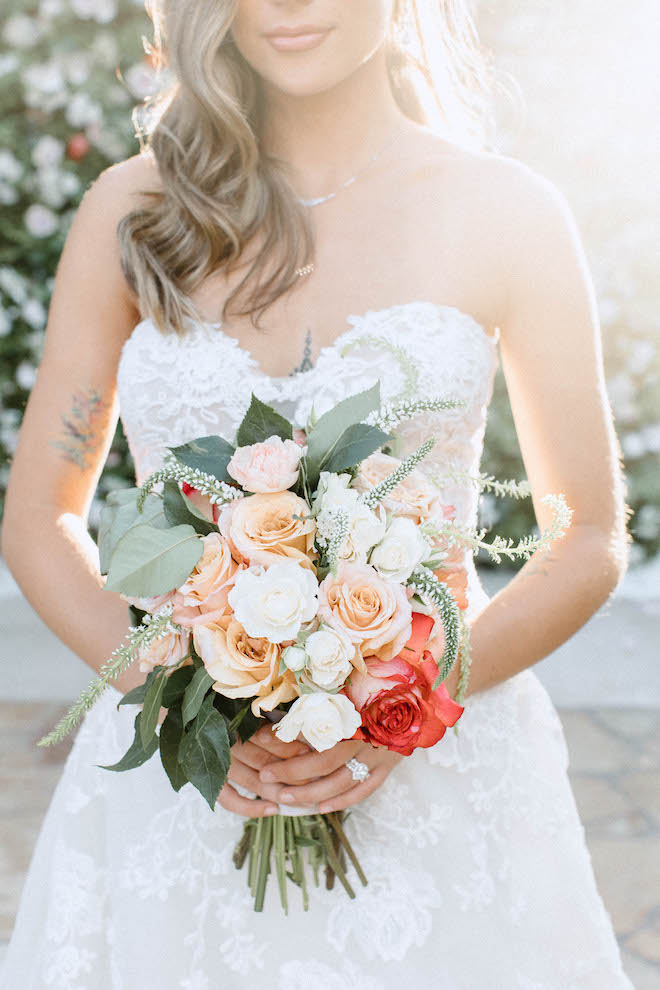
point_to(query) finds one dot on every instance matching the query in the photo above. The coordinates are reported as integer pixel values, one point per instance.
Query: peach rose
(244, 666)
(212, 578)
(271, 466)
(166, 651)
(261, 529)
(413, 497)
(375, 614)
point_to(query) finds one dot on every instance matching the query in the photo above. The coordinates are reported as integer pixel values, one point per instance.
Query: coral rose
(375, 614)
(244, 666)
(262, 529)
(271, 466)
(397, 704)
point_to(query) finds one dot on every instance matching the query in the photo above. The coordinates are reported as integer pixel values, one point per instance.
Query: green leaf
(137, 754)
(171, 734)
(204, 752)
(176, 684)
(355, 444)
(195, 692)
(325, 435)
(209, 454)
(151, 709)
(137, 695)
(149, 561)
(179, 512)
(260, 423)
(119, 514)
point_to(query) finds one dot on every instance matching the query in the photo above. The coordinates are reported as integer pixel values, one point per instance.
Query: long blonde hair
(220, 188)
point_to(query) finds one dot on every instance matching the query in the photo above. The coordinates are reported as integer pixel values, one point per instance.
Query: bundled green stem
(152, 627)
(284, 839)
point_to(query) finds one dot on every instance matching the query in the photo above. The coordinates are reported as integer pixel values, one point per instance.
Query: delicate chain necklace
(324, 199)
(316, 201)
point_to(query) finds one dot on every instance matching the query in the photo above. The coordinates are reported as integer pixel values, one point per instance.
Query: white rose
(323, 719)
(329, 664)
(294, 657)
(365, 527)
(273, 604)
(400, 551)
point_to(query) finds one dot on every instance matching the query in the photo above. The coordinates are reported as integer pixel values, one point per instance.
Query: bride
(299, 227)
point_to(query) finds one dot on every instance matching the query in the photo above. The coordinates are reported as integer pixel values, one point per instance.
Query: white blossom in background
(40, 221)
(13, 284)
(51, 8)
(101, 11)
(33, 312)
(141, 79)
(54, 186)
(45, 87)
(26, 375)
(5, 323)
(76, 67)
(104, 50)
(21, 31)
(8, 194)
(11, 169)
(8, 63)
(47, 151)
(83, 110)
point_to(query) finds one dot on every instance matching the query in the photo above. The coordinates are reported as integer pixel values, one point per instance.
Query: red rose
(399, 708)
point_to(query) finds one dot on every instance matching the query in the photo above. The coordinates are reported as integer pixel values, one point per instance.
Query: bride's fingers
(253, 755)
(244, 775)
(300, 768)
(248, 807)
(357, 793)
(322, 789)
(266, 739)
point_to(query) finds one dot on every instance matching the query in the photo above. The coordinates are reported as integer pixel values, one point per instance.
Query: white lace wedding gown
(479, 876)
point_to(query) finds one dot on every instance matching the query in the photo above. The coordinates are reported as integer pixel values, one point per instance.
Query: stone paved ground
(614, 768)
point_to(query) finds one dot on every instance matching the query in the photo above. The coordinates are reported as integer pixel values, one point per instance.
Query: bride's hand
(323, 778)
(247, 759)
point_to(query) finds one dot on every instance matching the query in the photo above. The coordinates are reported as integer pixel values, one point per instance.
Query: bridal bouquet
(310, 578)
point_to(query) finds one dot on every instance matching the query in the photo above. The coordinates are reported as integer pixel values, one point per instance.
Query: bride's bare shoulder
(128, 183)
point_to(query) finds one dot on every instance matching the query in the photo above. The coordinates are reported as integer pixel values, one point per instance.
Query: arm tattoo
(80, 437)
(541, 565)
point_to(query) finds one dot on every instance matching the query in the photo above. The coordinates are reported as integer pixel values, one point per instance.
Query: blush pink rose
(414, 497)
(268, 467)
(374, 613)
(166, 651)
(201, 502)
(396, 701)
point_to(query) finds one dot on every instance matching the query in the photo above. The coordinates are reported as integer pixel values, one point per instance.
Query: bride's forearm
(548, 600)
(56, 566)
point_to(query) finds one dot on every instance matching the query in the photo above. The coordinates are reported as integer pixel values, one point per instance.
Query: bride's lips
(297, 39)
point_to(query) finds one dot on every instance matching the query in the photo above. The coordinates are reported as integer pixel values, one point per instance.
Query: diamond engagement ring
(359, 771)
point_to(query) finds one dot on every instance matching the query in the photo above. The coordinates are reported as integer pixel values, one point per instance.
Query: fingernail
(271, 811)
(286, 796)
(267, 775)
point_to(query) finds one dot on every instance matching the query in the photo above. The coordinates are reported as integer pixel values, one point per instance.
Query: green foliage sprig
(388, 484)
(139, 637)
(218, 492)
(437, 594)
(392, 414)
(498, 546)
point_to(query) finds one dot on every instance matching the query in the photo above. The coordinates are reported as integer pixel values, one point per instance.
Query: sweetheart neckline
(352, 320)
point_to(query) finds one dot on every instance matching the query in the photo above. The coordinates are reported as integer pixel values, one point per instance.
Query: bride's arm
(66, 432)
(552, 362)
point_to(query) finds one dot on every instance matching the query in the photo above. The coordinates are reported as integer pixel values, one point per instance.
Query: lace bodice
(172, 389)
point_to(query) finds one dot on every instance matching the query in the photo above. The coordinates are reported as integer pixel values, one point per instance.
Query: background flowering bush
(71, 72)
